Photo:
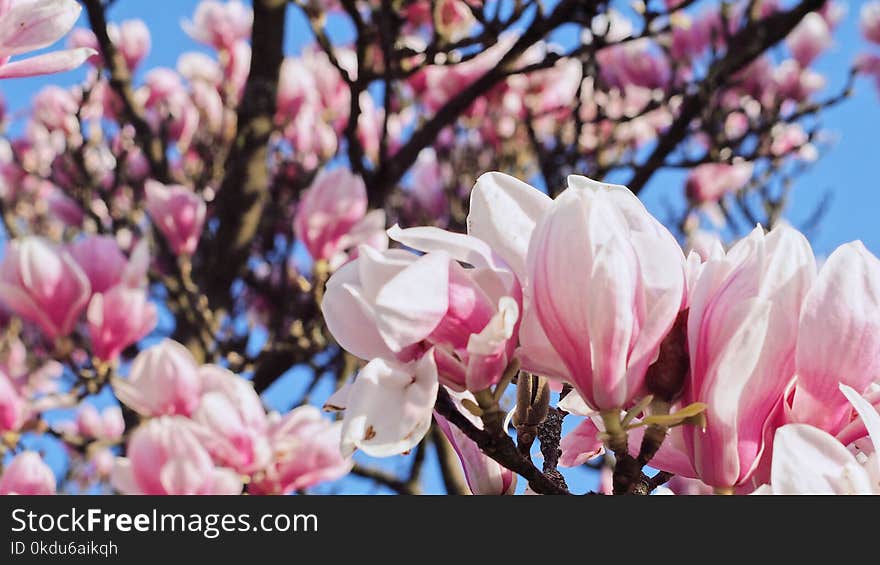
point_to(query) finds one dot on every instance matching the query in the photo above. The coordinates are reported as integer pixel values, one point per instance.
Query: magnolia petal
(503, 213)
(807, 460)
(48, 63)
(581, 444)
(34, 24)
(410, 305)
(868, 414)
(122, 477)
(390, 407)
(838, 336)
(349, 317)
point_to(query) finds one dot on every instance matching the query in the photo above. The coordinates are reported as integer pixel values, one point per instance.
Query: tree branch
(120, 82)
(497, 445)
(383, 478)
(244, 191)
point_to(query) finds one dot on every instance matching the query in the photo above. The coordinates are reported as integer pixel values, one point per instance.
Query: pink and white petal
(182, 476)
(573, 403)
(461, 247)
(672, 456)
(867, 413)
(838, 336)
(807, 460)
(338, 400)
(503, 213)
(370, 230)
(390, 407)
(33, 24)
(410, 305)
(122, 477)
(581, 444)
(535, 350)
(226, 482)
(350, 318)
(48, 63)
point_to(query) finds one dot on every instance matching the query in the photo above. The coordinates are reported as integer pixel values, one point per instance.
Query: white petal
(503, 213)
(807, 460)
(390, 407)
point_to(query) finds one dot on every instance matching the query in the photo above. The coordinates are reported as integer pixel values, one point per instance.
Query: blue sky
(849, 168)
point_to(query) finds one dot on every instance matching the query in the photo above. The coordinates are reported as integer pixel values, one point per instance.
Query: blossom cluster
(585, 289)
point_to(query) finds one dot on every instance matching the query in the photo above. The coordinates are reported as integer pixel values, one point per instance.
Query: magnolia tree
(361, 217)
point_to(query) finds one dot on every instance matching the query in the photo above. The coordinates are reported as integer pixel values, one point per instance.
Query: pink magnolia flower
(65, 209)
(237, 67)
(164, 380)
(388, 407)
(13, 408)
(210, 106)
(791, 138)
(504, 212)
(178, 213)
(220, 24)
(809, 39)
(808, 460)
(101, 462)
(833, 12)
(635, 63)
(710, 182)
(869, 20)
(131, 38)
(101, 259)
(838, 338)
(795, 82)
(170, 109)
(118, 318)
(161, 86)
(329, 210)
(581, 444)
(483, 474)
(306, 452)
(43, 284)
(606, 281)
(427, 187)
(692, 36)
(28, 25)
(27, 474)
(396, 305)
(55, 108)
(195, 66)
(106, 424)
(27, 380)
(437, 84)
(475, 338)
(166, 457)
(742, 330)
(233, 425)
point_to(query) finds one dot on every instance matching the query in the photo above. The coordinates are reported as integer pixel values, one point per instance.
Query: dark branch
(498, 446)
(120, 82)
(244, 191)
